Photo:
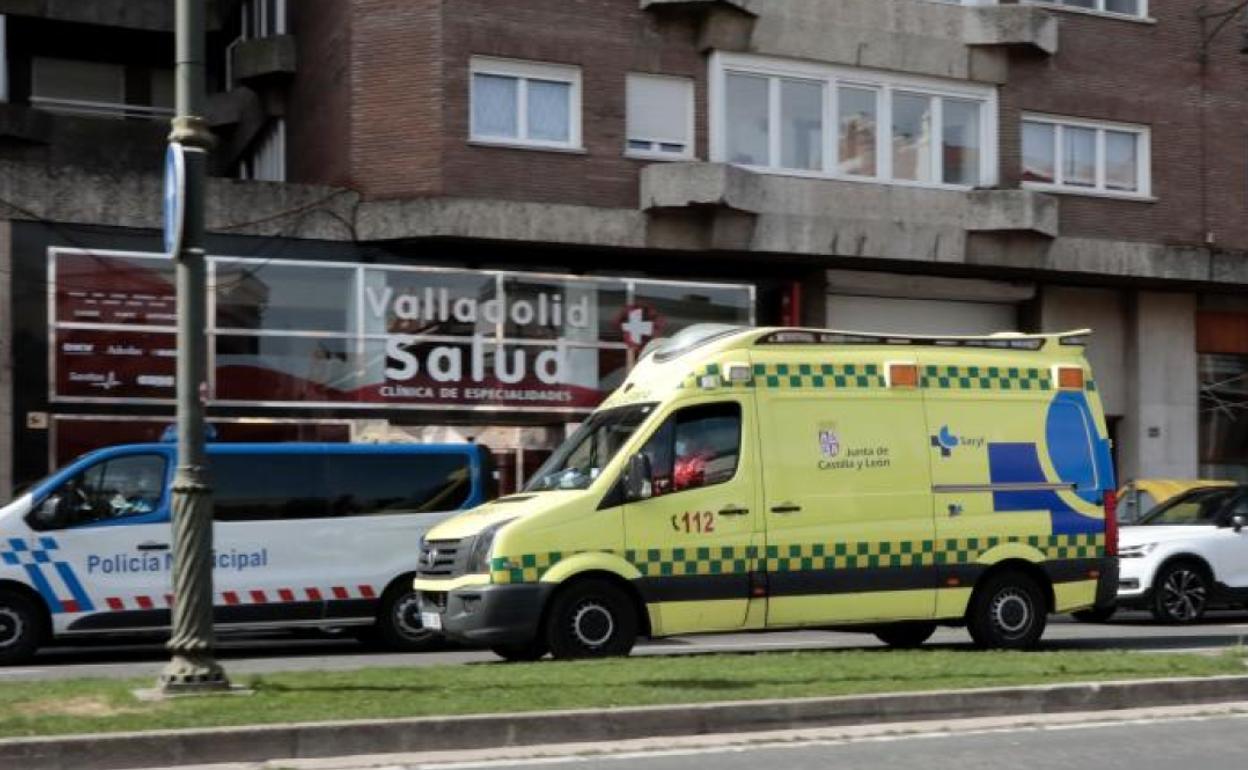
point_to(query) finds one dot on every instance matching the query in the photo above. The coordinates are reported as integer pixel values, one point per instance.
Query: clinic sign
(300, 334)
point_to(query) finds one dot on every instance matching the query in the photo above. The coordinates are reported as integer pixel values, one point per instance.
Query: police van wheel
(1007, 612)
(592, 619)
(398, 623)
(20, 628)
(905, 636)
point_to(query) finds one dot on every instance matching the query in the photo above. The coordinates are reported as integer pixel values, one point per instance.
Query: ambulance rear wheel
(20, 628)
(905, 636)
(591, 619)
(1008, 611)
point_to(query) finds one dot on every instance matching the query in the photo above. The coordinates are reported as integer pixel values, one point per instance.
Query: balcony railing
(92, 109)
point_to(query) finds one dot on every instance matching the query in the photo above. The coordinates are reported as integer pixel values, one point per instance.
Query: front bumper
(489, 614)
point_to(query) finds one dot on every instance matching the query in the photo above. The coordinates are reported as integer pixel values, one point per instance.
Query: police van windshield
(580, 459)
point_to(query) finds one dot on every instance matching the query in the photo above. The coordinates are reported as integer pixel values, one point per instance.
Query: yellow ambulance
(749, 479)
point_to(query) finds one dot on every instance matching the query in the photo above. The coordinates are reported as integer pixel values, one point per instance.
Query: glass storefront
(332, 346)
(1224, 416)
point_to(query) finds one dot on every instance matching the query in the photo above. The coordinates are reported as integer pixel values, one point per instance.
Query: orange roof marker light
(902, 374)
(1068, 377)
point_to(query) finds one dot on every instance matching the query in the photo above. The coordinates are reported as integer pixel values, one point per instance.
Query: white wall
(1160, 428)
(1103, 311)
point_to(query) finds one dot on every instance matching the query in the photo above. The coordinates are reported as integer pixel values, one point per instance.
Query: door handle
(153, 546)
(733, 510)
(786, 508)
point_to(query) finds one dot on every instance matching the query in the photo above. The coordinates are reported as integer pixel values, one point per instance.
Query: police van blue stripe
(75, 588)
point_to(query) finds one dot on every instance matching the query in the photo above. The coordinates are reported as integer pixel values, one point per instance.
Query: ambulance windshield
(580, 459)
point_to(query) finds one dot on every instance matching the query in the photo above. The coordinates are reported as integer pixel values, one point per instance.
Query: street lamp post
(192, 667)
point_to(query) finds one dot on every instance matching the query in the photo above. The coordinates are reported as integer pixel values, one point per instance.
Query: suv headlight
(479, 559)
(1138, 551)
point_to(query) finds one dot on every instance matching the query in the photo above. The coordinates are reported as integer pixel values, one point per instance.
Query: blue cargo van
(311, 535)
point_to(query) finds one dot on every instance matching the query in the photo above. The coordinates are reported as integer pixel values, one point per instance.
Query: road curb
(120, 751)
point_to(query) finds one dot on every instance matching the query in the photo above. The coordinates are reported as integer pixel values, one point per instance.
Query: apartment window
(1137, 8)
(1088, 157)
(660, 117)
(526, 104)
(789, 117)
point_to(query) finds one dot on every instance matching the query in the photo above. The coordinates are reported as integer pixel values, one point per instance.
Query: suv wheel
(1180, 593)
(591, 619)
(20, 628)
(1007, 612)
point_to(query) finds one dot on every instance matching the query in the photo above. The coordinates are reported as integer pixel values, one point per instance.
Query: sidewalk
(124, 751)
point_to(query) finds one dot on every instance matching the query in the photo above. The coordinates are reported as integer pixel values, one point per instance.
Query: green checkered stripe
(985, 378)
(528, 568)
(799, 557)
(832, 376)
(723, 560)
(827, 376)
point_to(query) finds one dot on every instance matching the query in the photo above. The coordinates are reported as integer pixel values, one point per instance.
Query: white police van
(313, 535)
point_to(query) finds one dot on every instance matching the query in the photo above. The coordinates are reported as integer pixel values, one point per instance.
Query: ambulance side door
(695, 539)
(99, 553)
(847, 497)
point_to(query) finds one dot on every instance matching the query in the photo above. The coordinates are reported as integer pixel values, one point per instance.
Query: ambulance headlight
(479, 559)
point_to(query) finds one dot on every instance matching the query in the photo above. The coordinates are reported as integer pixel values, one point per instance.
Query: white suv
(1187, 555)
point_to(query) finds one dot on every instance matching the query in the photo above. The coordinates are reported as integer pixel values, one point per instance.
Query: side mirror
(637, 484)
(1238, 521)
(51, 513)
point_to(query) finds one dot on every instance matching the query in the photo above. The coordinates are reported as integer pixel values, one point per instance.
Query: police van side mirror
(52, 513)
(1238, 521)
(637, 484)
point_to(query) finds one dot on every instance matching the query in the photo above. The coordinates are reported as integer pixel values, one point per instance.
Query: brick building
(464, 218)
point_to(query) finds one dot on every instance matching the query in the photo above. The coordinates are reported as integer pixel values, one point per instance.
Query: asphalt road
(1130, 631)
(1208, 743)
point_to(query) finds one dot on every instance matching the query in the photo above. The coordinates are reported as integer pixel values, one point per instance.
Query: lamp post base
(192, 674)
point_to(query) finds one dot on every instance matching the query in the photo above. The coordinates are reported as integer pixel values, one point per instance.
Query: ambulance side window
(110, 490)
(698, 446)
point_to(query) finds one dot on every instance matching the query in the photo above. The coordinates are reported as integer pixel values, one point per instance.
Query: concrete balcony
(262, 59)
(912, 36)
(721, 207)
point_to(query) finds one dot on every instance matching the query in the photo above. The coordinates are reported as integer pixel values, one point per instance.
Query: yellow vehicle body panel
(854, 497)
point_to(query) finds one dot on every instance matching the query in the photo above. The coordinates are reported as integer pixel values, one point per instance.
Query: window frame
(1099, 10)
(157, 515)
(884, 85)
(1143, 161)
(672, 420)
(690, 120)
(523, 72)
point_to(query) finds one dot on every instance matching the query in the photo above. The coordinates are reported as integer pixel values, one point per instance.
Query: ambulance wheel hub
(593, 625)
(1011, 612)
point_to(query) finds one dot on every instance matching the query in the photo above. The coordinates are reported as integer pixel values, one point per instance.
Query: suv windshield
(1200, 506)
(579, 460)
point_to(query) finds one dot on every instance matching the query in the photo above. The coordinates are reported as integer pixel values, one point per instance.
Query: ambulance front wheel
(591, 619)
(20, 628)
(1008, 611)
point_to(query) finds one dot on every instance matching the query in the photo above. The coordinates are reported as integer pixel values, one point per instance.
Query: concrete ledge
(297, 741)
(1012, 211)
(1012, 25)
(24, 124)
(261, 58)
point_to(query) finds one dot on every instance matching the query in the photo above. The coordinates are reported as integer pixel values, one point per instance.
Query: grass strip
(85, 706)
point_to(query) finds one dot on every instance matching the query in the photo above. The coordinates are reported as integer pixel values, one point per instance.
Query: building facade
(464, 219)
